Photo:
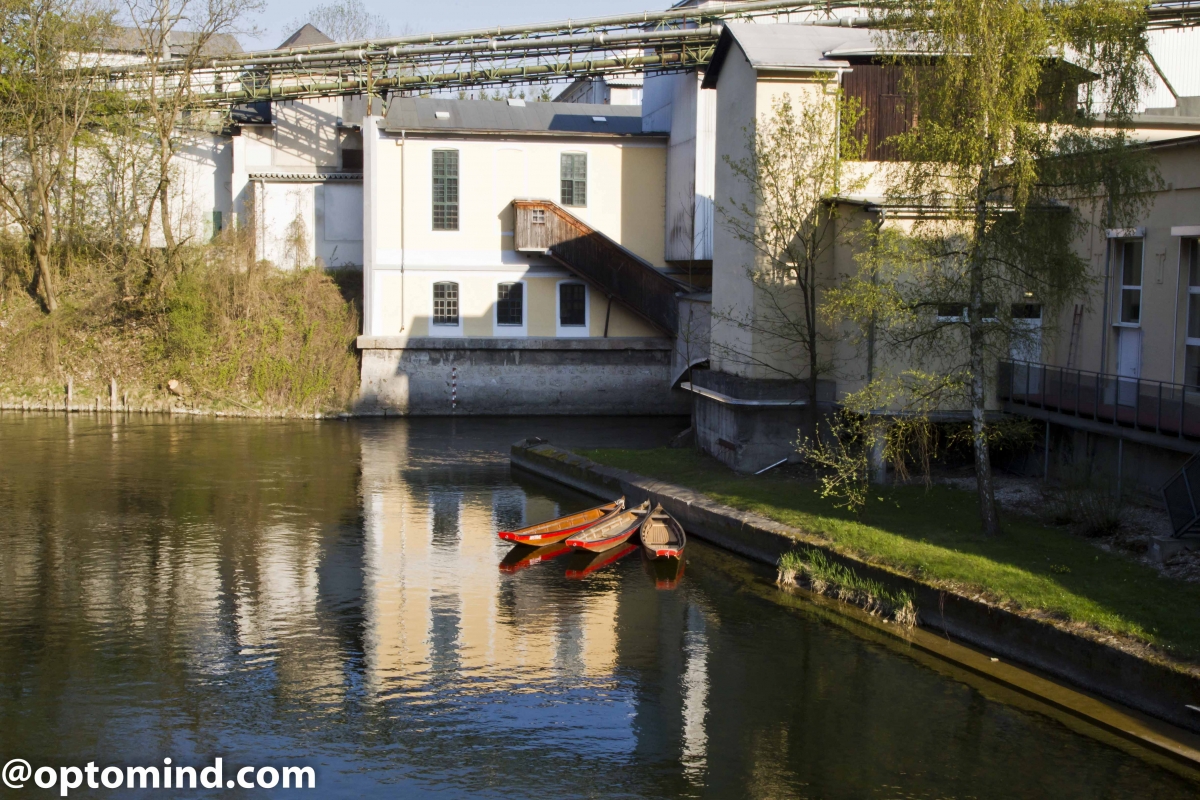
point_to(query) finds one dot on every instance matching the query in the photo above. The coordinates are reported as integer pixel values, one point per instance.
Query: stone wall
(438, 376)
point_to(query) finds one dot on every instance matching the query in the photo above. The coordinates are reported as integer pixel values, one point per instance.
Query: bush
(829, 578)
(1088, 503)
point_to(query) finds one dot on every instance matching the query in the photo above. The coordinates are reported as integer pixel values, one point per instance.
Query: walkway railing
(1170, 409)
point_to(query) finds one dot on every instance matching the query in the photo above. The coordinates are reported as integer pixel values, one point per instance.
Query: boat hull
(547, 533)
(602, 545)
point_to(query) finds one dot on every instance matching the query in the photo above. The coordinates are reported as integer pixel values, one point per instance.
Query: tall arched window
(445, 303)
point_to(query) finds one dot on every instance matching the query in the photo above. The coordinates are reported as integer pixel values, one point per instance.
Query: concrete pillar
(878, 464)
(370, 135)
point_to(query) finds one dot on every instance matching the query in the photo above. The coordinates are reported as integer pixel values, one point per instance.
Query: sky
(444, 15)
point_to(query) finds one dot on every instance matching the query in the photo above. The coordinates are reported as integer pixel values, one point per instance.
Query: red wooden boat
(612, 531)
(600, 560)
(524, 555)
(556, 530)
(662, 535)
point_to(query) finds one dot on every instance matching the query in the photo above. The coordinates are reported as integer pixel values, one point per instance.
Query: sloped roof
(307, 35)
(180, 43)
(788, 48)
(420, 114)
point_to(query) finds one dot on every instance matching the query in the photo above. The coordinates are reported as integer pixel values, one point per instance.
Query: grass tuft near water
(829, 578)
(933, 535)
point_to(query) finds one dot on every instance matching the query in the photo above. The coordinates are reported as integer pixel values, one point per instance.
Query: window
(539, 216)
(445, 190)
(951, 312)
(1130, 271)
(572, 305)
(352, 160)
(445, 303)
(510, 304)
(1191, 261)
(574, 179)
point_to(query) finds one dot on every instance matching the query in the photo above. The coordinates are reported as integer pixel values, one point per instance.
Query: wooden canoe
(556, 530)
(595, 561)
(662, 535)
(610, 532)
(524, 555)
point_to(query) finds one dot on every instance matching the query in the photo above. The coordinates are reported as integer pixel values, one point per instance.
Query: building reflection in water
(435, 601)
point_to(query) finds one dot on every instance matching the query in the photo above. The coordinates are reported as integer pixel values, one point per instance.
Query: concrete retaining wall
(434, 376)
(1153, 688)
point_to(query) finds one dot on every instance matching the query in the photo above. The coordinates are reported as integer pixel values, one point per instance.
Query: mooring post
(70, 390)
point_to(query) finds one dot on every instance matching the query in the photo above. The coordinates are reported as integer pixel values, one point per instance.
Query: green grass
(934, 535)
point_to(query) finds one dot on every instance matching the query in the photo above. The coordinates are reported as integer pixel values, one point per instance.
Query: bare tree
(794, 169)
(344, 21)
(176, 36)
(46, 99)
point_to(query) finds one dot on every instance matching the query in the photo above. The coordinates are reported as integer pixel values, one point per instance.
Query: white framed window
(1191, 263)
(573, 179)
(446, 316)
(572, 315)
(957, 312)
(445, 190)
(510, 311)
(1129, 273)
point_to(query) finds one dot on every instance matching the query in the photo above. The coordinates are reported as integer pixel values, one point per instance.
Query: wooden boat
(610, 532)
(556, 530)
(595, 561)
(662, 535)
(524, 555)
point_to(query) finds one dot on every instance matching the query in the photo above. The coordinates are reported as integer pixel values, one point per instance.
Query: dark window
(445, 190)
(445, 303)
(572, 304)
(574, 179)
(1026, 311)
(951, 311)
(352, 160)
(510, 302)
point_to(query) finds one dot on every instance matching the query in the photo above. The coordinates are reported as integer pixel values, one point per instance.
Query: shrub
(830, 578)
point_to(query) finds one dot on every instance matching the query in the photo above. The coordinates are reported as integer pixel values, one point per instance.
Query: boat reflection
(584, 563)
(524, 555)
(666, 572)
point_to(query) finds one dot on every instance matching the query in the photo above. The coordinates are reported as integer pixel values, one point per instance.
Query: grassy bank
(235, 335)
(934, 536)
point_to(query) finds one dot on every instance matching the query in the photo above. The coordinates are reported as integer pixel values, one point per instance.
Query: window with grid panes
(1131, 280)
(574, 179)
(445, 303)
(445, 190)
(572, 305)
(510, 304)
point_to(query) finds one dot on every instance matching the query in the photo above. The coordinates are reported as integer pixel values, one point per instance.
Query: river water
(329, 594)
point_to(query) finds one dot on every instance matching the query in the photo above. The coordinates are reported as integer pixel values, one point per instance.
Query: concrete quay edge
(1152, 692)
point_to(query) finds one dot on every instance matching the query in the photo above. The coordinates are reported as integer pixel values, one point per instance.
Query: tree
(343, 21)
(794, 169)
(176, 36)
(991, 175)
(46, 100)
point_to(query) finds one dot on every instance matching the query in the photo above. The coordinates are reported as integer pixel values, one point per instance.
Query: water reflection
(335, 595)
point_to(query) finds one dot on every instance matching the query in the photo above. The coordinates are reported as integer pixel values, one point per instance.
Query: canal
(329, 594)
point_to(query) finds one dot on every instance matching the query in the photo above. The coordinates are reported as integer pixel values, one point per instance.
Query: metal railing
(1169, 409)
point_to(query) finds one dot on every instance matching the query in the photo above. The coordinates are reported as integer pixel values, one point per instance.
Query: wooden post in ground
(112, 394)
(70, 390)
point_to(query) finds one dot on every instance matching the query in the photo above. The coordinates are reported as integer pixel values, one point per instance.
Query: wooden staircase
(545, 227)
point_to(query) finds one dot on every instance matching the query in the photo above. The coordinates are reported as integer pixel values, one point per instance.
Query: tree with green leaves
(793, 168)
(46, 100)
(991, 177)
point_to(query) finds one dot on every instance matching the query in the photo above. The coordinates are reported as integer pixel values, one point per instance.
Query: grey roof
(788, 48)
(307, 35)
(130, 40)
(419, 114)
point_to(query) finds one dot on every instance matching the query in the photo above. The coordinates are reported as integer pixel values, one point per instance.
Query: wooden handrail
(545, 227)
